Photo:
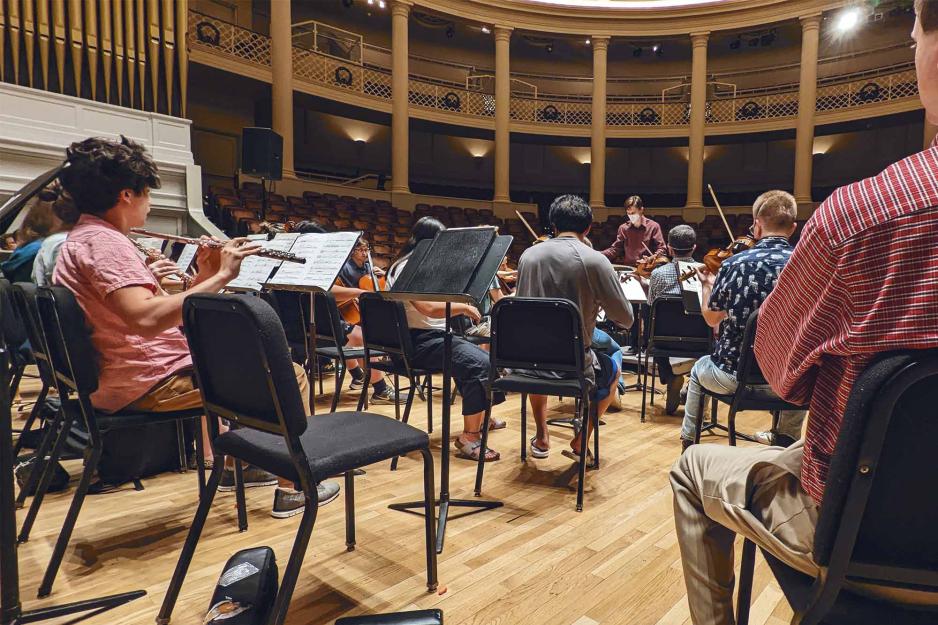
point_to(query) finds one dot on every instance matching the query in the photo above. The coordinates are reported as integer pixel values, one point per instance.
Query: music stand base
(708, 427)
(92, 606)
(417, 507)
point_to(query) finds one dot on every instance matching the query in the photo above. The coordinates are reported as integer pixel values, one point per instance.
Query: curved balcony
(866, 94)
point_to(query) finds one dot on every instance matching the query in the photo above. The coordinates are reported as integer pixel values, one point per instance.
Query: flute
(274, 254)
(154, 255)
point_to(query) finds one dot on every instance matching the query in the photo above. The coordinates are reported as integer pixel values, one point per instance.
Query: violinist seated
(682, 241)
(729, 298)
(566, 267)
(144, 362)
(347, 289)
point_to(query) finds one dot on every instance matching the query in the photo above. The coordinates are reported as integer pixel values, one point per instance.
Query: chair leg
(429, 392)
(731, 425)
(200, 454)
(181, 447)
(654, 374)
(595, 417)
(429, 520)
(15, 381)
(524, 427)
(292, 570)
(584, 446)
(339, 381)
(644, 374)
(33, 414)
(482, 450)
(91, 464)
(192, 539)
(744, 596)
(46, 471)
(239, 496)
(350, 510)
(397, 403)
(698, 428)
(407, 407)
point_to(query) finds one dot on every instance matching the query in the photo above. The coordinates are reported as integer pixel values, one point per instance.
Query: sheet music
(324, 253)
(691, 284)
(256, 270)
(633, 291)
(186, 256)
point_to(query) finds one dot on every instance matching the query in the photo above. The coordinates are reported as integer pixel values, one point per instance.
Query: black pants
(469, 366)
(665, 373)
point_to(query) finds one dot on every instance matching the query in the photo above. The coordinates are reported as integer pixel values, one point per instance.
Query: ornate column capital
(502, 33)
(401, 8)
(810, 22)
(699, 40)
(599, 42)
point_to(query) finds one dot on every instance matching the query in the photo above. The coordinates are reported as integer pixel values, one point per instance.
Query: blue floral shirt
(743, 283)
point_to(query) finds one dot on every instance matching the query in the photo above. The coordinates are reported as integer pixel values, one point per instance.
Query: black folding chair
(329, 340)
(752, 393)
(385, 330)
(18, 298)
(74, 362)
(539, 334)
(876, 523)
(672, 333)
(14, 336)
(245, 375)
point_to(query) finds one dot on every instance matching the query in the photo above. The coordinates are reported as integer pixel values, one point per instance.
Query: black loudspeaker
(262, 153)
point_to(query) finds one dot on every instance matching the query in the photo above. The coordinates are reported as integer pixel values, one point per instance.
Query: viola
(369, 282)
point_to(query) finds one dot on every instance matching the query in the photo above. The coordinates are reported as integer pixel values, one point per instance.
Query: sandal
(497, 424)
(537, 452)
(469, 450)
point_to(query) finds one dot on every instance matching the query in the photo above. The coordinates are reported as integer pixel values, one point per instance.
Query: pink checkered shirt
(862, 280)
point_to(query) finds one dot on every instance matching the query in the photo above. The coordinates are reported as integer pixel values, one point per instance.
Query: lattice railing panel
(376, 83)
(894, 86)
(771, 106)
(308, 66)
(228, 39)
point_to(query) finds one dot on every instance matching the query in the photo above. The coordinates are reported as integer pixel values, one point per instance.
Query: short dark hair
(308, 226)
(635, 201)
(927, 11)
(682, 238)
(99, 169)
(570, 213)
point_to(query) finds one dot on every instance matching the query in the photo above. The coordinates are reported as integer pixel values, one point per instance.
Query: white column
(502, 114)
(807, 101)
(400, 115)
(598, 123)
(281, 91)
(698, 120)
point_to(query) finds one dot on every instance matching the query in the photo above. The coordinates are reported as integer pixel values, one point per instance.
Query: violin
(715, 257)
(369, 282)
(646, 265)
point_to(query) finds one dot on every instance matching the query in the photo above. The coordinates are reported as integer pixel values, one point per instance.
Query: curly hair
(98, 170)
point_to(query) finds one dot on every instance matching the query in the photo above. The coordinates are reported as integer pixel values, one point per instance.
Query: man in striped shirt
(861, 281)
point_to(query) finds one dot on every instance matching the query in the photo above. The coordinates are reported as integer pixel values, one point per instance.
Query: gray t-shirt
(566, 268)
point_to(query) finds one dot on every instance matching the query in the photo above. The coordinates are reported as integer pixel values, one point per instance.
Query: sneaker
(356, 385)
(389, 396)
(253, 477)
(673, 398)
(765, 438)
(289, 502)
(685, 444)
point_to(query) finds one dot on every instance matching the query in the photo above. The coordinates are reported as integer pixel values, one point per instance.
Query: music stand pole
(445, 502)
(11, 612)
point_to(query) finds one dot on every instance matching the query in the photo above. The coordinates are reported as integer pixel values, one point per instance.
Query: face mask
(634, 219)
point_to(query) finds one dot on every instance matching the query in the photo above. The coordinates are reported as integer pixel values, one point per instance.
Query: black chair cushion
(334, 443)
(129, 418)
(850, 608)
(519, 383)
(675, 351)
(333, 353)
(396, 366)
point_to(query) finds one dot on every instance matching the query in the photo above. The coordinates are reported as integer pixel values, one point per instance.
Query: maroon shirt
(862, 280)
(628, 247)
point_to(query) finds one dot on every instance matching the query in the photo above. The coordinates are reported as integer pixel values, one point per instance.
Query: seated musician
(566, 267)
(346, 291)
(144, 360)
(729, 297)
(826, 320)
(470, 363)
(682, 241)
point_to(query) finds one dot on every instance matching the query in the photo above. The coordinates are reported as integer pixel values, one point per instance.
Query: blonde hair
(776, 209)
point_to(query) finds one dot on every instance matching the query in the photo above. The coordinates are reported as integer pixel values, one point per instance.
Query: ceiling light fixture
(848, 19)
(382, 4)
(486, 30)
(588, 42)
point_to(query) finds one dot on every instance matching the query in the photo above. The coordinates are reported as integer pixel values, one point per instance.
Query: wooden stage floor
(535, 561)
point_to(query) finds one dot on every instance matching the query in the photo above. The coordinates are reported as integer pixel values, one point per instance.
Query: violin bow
(371, 270)
(527, 225)
(722, 216)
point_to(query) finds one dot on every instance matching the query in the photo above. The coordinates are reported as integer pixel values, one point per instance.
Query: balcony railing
(240, 44)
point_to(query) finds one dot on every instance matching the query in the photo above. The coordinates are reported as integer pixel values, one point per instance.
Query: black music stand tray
(11, 610)
(450, 269)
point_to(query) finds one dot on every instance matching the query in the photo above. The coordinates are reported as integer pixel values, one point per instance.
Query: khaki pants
(178, 392)
(721, 491)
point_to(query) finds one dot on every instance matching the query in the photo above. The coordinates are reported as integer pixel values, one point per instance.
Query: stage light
(382, 4)
(550, 48)
(371, 2)
(848, 19)
(486, 30)
(588, 42)
(656, 48)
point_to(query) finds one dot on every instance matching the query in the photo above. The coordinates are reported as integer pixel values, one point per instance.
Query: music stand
(11, 610)
(453, 268)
